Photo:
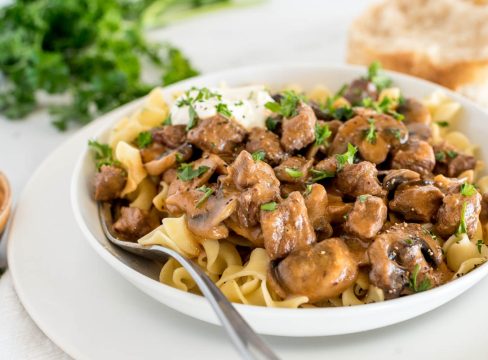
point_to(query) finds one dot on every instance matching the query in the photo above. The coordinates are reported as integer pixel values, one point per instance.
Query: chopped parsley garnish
(409, 241)
(193, 118)
(287, 107)
(103, 154)
(294, 173)
(396, 133)
(442, 123)
(271, 123)
(144, 139)
(269, 206)
(347, 157)
(203, 94)
(322, 133)
(440, 156)
(206, 194)
(167, 121)
(452, 154)
(239, 103)
(382, 107)
(179, 157)
(308, 189)
(377, 77)
(318, 175)
(413, 282)
(342, 113)
(187, 173)
(371, 132)
(462, 229)
(258, 155)
(479, 245)
(223, 109)
(468, 189)
(363, 198)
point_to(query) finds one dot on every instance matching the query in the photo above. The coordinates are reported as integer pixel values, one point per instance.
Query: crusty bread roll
(445, 41)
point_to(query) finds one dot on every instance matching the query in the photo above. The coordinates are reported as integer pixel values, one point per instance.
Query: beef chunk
(254, 183)
(109, 183)
(449, 214)
(360, 89)
(294, 169)
(359, 179)
(134, 223)
(416, 155)
(417, 202)
(262, 139)
(171, 136)
(299, 131)
(367, 217)
(450, 162)
(316, 201)
(287, 228)
(217, 135)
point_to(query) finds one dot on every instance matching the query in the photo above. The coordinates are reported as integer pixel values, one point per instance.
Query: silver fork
(249, 344)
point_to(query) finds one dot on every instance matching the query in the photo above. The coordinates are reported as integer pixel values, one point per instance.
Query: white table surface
(274, 31)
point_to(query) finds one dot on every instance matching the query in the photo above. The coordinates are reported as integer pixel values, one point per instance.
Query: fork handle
(249, 345)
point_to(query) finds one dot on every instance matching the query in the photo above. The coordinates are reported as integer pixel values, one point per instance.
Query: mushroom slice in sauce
(396, 253)
(168, 160)
(374, 134)
(415, 112)
(394, 178)
(319, 271)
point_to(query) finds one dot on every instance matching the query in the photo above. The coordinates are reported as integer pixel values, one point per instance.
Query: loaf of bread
(444, 41)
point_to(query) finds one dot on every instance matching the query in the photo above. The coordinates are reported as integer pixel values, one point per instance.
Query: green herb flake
(322, 133)
(462, 228)
(452, 154)
(442, 124)
(103, 154)
(239, 103)
(396, 133)
(168, 121)
(413, 281)
(347, 157)
(318, 175)
(479, 245)
(294, 173)
(187, 173)
(409, 241)
(363, 198)
(377, 77)
(467, 189)
(371, 132)
(308, 189)
(287, 107)
(179, 157)
(440, 156)
(192, 114)
(271, 206)
(144, 139)
(223, 109)
(258, 155)
(206, 194)
(271, 123)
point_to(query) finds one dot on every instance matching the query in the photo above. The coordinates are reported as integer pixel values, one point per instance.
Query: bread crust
(452, 74)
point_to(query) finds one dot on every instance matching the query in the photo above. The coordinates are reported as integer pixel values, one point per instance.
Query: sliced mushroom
(394, 178)
(360, 89)
(168, 160)
(395, 254)
(319, 271)
(386, 132)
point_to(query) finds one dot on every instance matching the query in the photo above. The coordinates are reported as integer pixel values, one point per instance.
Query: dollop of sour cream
(246, 105)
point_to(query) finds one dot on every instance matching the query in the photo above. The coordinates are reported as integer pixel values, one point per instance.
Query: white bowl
(277, 321)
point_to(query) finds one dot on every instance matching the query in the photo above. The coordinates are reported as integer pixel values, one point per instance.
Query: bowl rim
(343, 311)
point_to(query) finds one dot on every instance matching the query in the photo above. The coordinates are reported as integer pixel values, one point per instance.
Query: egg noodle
(245, 282)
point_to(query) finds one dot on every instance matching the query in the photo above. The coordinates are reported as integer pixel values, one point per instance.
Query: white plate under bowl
(275, 321)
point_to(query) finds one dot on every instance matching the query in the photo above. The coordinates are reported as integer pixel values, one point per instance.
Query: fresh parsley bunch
(92, 50)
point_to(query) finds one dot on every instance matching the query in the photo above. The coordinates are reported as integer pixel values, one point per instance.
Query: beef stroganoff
(291, 198)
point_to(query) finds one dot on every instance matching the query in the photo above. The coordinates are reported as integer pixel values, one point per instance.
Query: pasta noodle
(160, 198)
(130, 158)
